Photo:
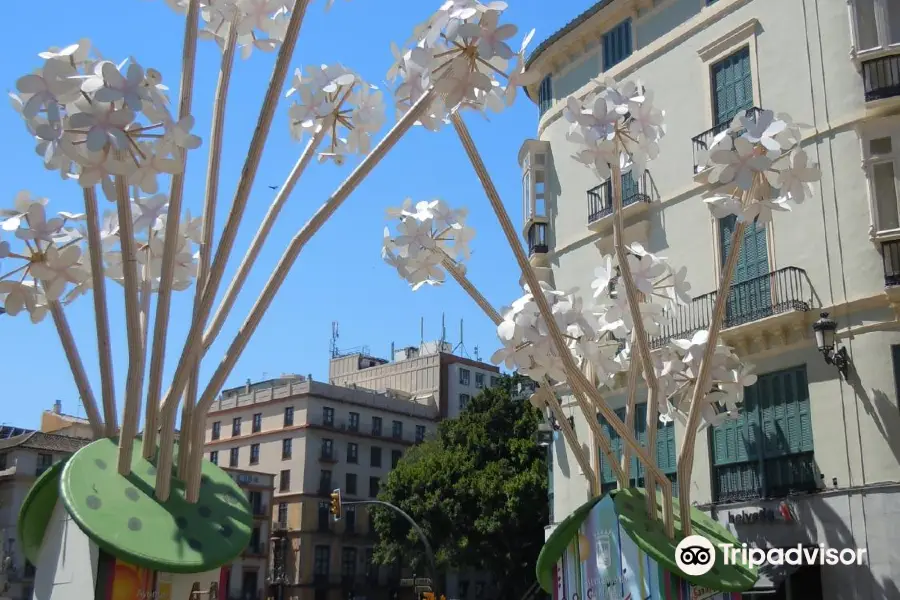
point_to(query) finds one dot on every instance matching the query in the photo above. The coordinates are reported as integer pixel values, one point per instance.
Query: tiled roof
(51, 442)
(571, 25)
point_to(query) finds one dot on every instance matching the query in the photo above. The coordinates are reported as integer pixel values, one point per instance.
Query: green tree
(478, 489)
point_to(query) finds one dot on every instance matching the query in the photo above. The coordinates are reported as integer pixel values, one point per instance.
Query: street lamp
(825, 329)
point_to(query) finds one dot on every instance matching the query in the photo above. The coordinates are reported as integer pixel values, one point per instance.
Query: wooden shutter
(732, 83)
(617, 44)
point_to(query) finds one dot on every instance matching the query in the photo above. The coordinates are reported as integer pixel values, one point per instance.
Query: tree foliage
(478, 489)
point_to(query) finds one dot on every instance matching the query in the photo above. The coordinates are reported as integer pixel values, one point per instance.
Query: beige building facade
(810, 440)
(249, 574)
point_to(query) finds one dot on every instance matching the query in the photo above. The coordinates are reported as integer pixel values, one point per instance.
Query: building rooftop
(568, 27)
(36, 440)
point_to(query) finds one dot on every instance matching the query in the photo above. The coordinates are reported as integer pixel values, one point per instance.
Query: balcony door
(750, 295)
(732, 87)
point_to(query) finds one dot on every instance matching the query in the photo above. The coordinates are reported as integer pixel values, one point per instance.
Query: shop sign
(782, 514)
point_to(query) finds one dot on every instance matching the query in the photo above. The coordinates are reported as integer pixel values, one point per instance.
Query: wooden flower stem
(640, 338)
(260, 239)
(213, 169)
(701, 386)
(634, 371)
(77, 367)
(134, 378)
(577, 379)
(190, 354)
(546, 390)
(194, 340)
(171, 242)
(101, 314)
(280, 274)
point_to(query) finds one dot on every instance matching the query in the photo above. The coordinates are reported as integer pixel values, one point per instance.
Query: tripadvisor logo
(695, 555)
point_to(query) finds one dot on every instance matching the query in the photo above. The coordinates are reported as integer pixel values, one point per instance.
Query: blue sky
(372, 304)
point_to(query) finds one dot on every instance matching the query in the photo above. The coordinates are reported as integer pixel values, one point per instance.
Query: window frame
(214, 457)
(285, 475)
(287, 448)
(353, 457)
(882, 128)
(380, 426)
(234, 456)
(479, 380)
(327, 448)
(465, 376)
(373, 452)
(256, 423)
(721, 48)
(421, 432)
(327, 416)
(348, 478)
(322, 560)
(236, 424)
(464, 400)
(353, 423)
(882, 23)
(396, 455)
(397, 430)
(216, 431)
(254, 454)
(623, 27)
(376, 483)
(288, 416)
(282, 514)
(545, 95)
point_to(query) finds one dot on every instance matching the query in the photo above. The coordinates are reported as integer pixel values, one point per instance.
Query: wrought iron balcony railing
(881, 78)
(537, 239)
(890, 252)
(774, 293)
(774, 477)
(701, 142)
(600, 197)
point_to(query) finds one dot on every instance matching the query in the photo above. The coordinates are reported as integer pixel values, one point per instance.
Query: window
(617, 44)
(350, 484)
(282, 513)
(254, 454)
(235, 426)
(732, 87)
(397, 430)
(350, 519)
(253, 546)
(216, 430)
(395, 458)
(495, 381)
(44, 462)
(883, 171)
(327, 449)
(255, 499)
(751, 296)
(352, 452)
(284, 481)
(3, 461)
(233, 456)
(288, 416)
(324, 516)
(214, 457)
(375, 457)
(545, 95)
(348, 562)
(257, 423)
(665, 450)
(464, 377)
(420, 433)
(322, 560)
(479, 380)
(287, 448)
(325, 481)
(877, 24)
(463, 402)
(768, 451)
(354, 421)
(373, 487)
(376, 425)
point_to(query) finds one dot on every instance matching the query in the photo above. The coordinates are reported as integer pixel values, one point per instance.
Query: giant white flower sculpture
(93, 119)
(428, 234)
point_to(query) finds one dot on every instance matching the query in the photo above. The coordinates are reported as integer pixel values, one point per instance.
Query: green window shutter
(787, 423)
(607, 475)
(630, 189)
(617, 44)
(665, 448)
(732, 83)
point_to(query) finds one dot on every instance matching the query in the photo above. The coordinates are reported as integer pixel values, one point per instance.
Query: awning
(770, 579)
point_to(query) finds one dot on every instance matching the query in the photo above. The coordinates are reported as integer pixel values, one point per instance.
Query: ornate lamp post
(825, 329)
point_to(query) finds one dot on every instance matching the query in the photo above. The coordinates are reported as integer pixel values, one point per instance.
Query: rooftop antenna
(421, 331)
(461, 346)
(475, 352)
(392, 352)
(443, 331)
(334, 338)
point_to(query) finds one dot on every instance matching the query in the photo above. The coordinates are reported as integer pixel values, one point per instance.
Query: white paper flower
(93, 119)
(427, 233)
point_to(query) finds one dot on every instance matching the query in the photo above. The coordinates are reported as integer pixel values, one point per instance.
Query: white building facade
(824, 446)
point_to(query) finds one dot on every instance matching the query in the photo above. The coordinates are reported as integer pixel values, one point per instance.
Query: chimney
(57, 407)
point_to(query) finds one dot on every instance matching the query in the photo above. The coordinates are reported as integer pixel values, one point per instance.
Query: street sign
(407, 582)
(423, 581)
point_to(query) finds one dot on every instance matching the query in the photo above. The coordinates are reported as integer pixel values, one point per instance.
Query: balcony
(537, 238)
(762, 313)
(881, 78)
(260, 510)
(327, 456)
(775, 477)
(890, 255)
(702, 142)
(600, 197)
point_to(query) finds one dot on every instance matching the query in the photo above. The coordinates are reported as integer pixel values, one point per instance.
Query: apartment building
(824, 446)
(24, 455)
(249, 574)
(431, 369)
(317, 437)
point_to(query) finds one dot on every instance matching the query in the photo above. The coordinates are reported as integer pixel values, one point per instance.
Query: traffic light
(335, 509)
(427, 596)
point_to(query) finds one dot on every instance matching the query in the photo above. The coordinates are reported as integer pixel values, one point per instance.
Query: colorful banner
(129, 582)
(603, 563)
